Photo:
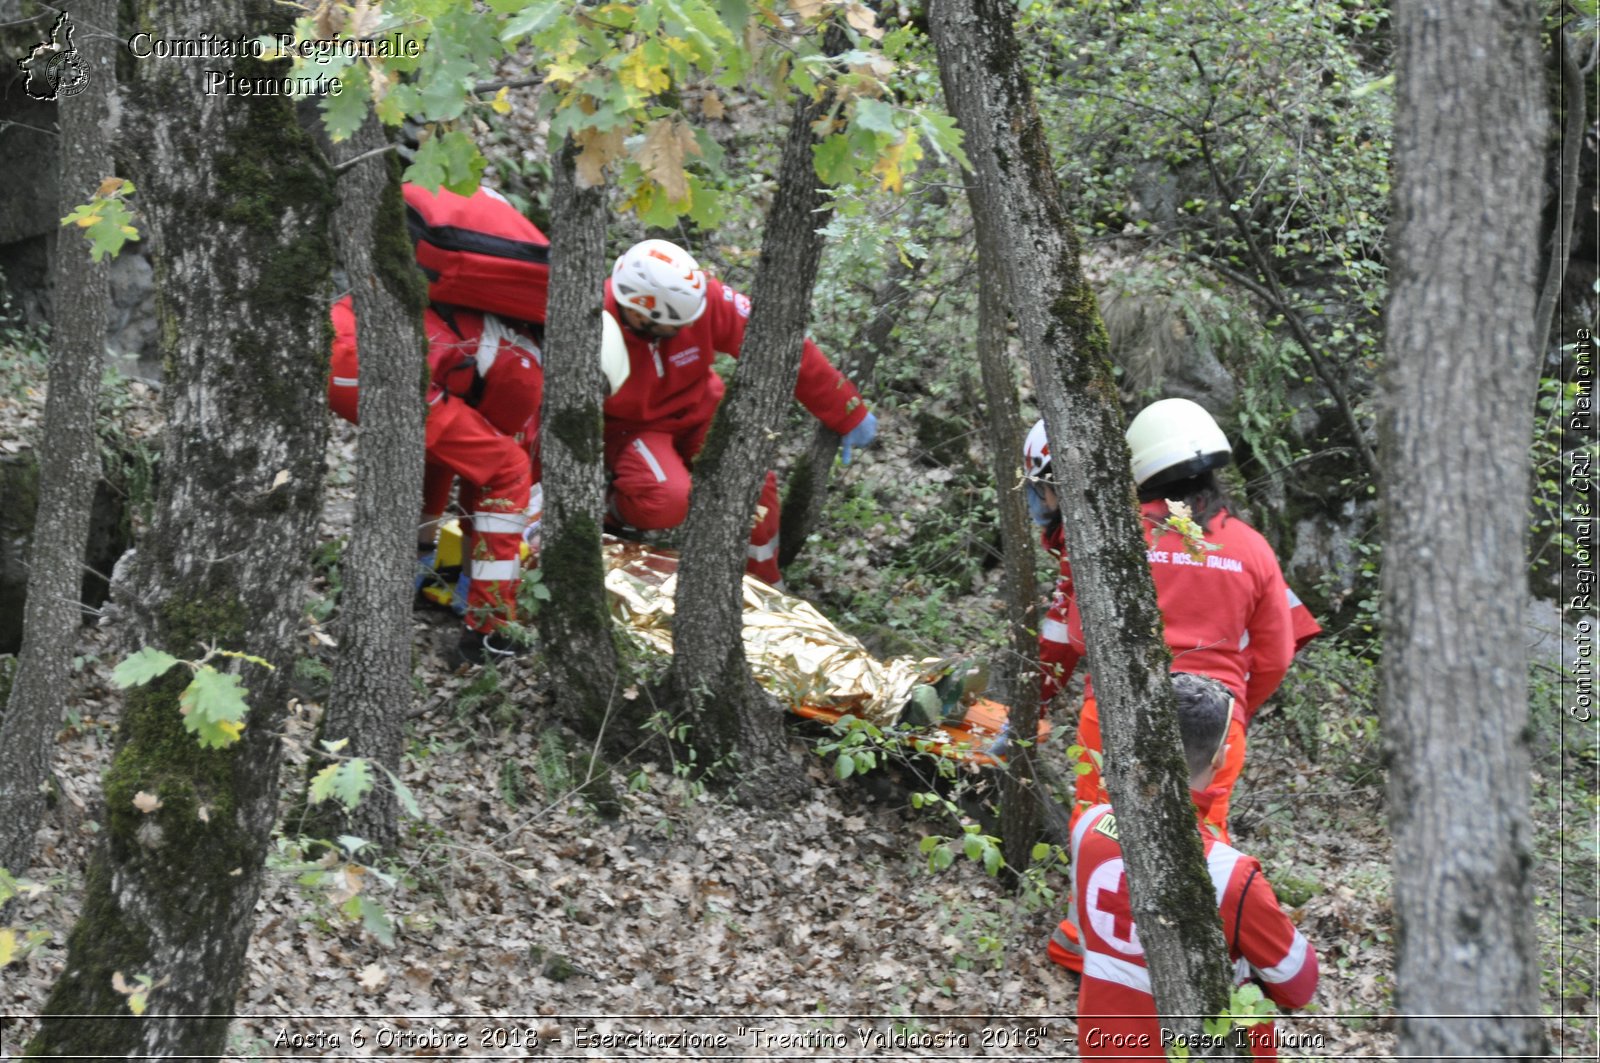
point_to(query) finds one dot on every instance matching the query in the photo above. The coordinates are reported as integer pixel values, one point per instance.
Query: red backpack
(479, 252)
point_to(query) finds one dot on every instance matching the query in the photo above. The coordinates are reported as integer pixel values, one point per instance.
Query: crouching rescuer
(1116, 1009)
(675, 320)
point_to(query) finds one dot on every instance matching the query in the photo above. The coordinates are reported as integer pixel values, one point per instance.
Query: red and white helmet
(660, 280)
(1036, 452)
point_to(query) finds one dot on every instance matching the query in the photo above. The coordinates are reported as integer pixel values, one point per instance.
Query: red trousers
(1213, 803)
(650, 485)
(497, 479)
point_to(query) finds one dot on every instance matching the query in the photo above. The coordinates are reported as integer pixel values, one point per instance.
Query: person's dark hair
(1203, 494)
(1203, 709)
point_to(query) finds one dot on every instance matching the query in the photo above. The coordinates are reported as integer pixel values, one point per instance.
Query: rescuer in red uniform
(676, 320)
(1116, 1010)
(483, 403)
(1226, 611)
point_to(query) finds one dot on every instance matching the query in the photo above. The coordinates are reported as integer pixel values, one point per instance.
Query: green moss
(579, 431)
(393, 257)
(575, 574)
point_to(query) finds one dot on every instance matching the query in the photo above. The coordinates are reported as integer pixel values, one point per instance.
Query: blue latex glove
(859, 436)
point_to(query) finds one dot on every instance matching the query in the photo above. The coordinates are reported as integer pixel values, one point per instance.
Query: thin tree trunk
(69, 454)
(806, 492)
(1569, 154)
(1458, 424)
(575, 625)
(729, 713)
(372, 676)
(1015, 198)
(1018, 673)
(237, 206)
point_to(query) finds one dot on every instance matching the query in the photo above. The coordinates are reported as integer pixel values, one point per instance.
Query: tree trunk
(807, 490)
(237, 206)
(730, 715)
(372, 676)
(69, 454)
(1458, 424)
(575, 624)
(1015, 199)
(1017, 675)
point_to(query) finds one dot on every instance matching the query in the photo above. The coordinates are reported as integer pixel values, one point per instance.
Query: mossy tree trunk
(1457, 428)
(372, 676)
(1016, 200)
(69, 455)
(574, 625)
(237, 206)
(1017, 674)
(730, 716)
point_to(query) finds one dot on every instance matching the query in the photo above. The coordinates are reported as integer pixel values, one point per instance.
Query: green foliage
(15, 942)
(105, 220)
(347, 781)
(340, 886)
(632, 84)
(213, 704)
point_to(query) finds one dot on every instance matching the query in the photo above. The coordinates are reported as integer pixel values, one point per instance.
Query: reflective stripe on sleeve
(1290, 966)
(495, 570)
(765, 552)
(346, 382)
(1054, 631)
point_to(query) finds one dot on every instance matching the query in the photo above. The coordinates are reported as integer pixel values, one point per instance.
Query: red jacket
(1226, 616)
(669, 386)
(1116, 1011)
(478, 357)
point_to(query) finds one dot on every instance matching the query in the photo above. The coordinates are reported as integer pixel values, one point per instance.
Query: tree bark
(730, 715)
(69, 453)
(1458, 426)
(575, 624)
(1017, 675)
(237, 207)
(372, 675)
(1016, 199)
(806, 492)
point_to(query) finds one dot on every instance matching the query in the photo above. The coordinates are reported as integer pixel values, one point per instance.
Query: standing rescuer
(676, 319)
(1116, 1010)
(1226, 611)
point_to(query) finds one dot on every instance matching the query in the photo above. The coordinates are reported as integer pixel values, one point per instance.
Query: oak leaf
(661, 154)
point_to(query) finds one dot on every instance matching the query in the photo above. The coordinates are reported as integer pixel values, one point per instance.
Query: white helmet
(1174, 439)
(613, 352)
(1035, 467)
(660, 280)
(1036, 452)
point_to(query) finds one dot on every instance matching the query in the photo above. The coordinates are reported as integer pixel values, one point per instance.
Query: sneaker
(477, 647)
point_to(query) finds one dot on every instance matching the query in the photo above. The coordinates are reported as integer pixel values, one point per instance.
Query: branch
(1279, 301)
(485, 87)
(1576, 101)
(348, 163)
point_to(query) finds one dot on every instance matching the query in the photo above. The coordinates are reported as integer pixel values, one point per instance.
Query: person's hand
(859, 436)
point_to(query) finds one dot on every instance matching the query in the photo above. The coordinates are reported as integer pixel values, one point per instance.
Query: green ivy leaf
(141, 667)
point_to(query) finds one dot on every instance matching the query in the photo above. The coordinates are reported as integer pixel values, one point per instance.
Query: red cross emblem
(1110, 908)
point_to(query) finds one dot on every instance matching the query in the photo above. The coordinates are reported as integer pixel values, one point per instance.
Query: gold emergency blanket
(793, 650)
